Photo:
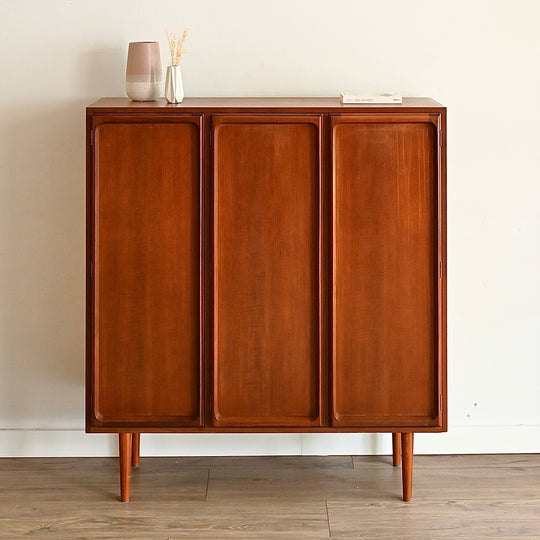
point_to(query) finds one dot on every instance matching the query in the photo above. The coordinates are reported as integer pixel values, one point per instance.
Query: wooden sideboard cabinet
(266, 265)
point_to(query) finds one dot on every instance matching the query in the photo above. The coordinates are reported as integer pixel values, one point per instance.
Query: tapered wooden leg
(136, 449)
(407, 466)
(396, 449)
(125, 465)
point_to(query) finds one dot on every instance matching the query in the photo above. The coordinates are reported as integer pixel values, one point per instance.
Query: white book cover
(370, 98)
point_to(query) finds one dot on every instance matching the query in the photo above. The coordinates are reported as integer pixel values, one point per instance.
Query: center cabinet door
(267, 272)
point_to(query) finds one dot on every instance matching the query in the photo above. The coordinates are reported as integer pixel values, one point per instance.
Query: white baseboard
(458, 440)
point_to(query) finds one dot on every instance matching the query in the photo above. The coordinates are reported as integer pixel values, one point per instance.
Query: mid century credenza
(266, 265)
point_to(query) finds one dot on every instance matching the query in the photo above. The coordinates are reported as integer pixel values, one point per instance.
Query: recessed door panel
(147, 286)
(266, 357)
(385, 272)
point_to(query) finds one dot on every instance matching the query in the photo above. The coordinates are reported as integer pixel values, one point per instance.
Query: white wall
(479, 58)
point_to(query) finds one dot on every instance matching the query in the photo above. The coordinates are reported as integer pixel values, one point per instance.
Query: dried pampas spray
(176, 45)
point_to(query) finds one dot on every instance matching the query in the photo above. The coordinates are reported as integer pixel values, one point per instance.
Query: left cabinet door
(144, 350)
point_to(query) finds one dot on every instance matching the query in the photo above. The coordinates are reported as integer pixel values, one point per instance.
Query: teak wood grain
(125, 451)
(135, 449)
(278, 105)
(396, 449)
(407, 442)
(267, 361)
(147, 365)
(385, 266)
(266, 265)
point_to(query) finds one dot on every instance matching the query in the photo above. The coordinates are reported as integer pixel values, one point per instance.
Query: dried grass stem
(176, 45)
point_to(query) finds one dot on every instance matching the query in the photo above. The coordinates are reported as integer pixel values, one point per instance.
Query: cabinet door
(385, 367)
(266, 284)
(146, 368)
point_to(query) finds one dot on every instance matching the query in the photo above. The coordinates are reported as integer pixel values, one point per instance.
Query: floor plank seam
(328, 520)
(271, 499)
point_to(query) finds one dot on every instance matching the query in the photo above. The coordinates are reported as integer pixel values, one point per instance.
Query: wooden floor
(272, 497)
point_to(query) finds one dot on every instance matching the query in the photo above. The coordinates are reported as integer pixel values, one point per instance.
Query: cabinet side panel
(385, 268)
(147, 362)
(266, 283)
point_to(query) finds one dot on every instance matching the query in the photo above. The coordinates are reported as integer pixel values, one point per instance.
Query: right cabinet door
(385, 257)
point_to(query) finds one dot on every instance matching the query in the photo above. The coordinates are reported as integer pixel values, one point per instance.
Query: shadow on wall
(42, 248)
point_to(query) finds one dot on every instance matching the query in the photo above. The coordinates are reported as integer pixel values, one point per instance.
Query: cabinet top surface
(232, 103)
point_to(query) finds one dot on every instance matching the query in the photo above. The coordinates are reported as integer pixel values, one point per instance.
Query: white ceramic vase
(174, 88)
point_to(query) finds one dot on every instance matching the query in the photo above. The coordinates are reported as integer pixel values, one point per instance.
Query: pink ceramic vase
(143, 74)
